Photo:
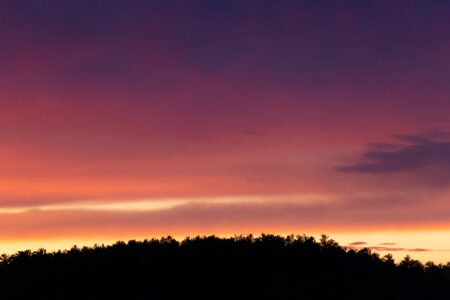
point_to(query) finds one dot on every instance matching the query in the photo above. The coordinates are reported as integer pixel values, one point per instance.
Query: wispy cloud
(357, 243)
(362, 245)
(376, 248)
(388, 158)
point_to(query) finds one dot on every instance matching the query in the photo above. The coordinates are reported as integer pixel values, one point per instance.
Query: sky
(138, 119)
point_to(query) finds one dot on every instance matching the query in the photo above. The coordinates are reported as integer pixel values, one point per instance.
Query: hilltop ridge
(241, 267)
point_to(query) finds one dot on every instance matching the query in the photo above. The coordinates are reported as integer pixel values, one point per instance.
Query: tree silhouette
(240, 267)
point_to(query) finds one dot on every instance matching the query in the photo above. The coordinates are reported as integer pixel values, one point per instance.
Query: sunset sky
(140, 119)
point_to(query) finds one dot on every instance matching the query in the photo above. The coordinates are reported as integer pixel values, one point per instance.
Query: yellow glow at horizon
(436, 241)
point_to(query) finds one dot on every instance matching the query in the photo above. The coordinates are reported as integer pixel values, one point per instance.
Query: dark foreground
(267, 267)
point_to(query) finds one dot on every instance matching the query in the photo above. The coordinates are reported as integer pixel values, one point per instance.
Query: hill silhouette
(241, 267)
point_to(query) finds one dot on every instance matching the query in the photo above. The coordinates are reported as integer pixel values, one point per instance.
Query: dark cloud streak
(357, 243)
(420, 153)
(375, 248)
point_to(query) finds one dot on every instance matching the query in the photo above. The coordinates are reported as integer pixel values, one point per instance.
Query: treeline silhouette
(241, 267)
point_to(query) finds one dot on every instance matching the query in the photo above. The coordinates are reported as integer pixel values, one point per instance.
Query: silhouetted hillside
(243, 267)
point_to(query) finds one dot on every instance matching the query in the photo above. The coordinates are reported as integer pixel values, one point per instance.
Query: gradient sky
(136, 119)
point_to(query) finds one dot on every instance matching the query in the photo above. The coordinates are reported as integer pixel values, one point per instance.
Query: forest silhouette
(240, 267)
